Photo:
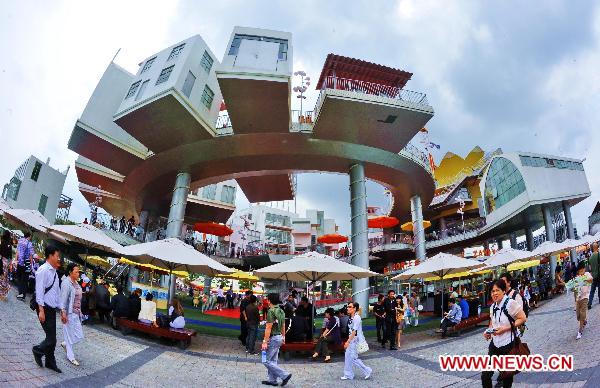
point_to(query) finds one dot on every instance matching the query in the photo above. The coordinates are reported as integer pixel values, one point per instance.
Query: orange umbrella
(333, 238)
(213, 228)
(383, 222)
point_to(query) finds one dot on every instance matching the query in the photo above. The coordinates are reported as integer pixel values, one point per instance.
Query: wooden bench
(468, 323)
(306, 346)
(182, 336)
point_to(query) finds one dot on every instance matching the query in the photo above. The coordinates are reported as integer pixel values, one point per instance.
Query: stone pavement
(110, 359)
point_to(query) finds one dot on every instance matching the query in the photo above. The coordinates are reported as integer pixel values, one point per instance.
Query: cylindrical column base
(418, 230)
(176, 215)
(359, 238)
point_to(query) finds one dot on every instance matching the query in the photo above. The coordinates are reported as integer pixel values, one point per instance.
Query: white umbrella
(548, 248)
(506, 256)
(87, 235)
(313, 267)
(173, 254)
(571, 243)
(440, 265)
(592, 238)
(27, 218)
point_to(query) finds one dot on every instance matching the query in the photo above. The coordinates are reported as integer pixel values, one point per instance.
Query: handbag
(519, 348)
(362, 347)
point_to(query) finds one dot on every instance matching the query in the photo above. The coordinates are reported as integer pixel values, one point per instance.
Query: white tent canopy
(27, 218)
(313, 267)
(173, 254)
(507, 256)
(86, 235)
(548, 248)
(440, 265)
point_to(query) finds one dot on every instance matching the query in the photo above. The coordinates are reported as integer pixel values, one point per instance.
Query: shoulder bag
(33, 304)
(519, 348)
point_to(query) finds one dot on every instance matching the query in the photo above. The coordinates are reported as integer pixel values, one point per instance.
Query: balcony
(415, 154)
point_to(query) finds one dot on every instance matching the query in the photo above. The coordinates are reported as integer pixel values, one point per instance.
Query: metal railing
(306, 117)
(415, 154)
(396, 238)
(469, 226)
(380, 90)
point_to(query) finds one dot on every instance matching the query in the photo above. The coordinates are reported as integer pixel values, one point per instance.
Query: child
(580, 285)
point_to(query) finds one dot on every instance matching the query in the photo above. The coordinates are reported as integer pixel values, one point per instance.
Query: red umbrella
(213, 228)
(382, 222)
(333, 238)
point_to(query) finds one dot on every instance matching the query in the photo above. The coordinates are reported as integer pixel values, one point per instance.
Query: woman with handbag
(331, 335)
(355, 345)
(70, 311)
(400, 310)
(505, 316)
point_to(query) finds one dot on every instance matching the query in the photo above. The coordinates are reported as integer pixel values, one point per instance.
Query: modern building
(594, 220)
(37, 186)
(307, 230)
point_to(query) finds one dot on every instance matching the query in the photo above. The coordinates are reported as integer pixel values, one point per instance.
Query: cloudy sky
(508, 74)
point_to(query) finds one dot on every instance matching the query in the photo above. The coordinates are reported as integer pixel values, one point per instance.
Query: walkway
(109, 359)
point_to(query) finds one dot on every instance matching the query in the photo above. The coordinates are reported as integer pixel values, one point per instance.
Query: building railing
(396, 238)
(223, 121)
(415, 154)
(365, 87)
(469, 226)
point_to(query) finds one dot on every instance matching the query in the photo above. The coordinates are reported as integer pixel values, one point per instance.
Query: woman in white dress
(70, 311)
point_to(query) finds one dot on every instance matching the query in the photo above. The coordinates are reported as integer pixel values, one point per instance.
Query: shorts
(582, 308)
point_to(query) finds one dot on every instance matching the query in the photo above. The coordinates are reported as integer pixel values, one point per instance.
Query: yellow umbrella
(522, 265)
(97, 261)
(150, 267)
(238, 275)
(464, 274)
(408, 226)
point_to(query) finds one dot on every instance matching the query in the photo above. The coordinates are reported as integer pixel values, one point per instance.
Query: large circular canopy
(382, 222)
(213, 228)
(332, 238)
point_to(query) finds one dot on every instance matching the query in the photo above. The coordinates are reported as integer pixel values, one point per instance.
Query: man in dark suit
(390, 319)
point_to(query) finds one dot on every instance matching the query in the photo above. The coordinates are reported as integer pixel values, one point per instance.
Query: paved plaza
(110, 359)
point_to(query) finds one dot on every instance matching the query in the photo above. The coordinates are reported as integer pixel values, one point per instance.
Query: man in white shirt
(47, 297)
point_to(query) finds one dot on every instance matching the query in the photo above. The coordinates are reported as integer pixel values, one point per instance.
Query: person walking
(243, 326)
(272, 341)
(70, 311)
(356, 336)
(5, 255)
(583, 280)
(400, 310)
(24, 256)
(506, 315)
(390, 319)
(47, 298)
(594, 262)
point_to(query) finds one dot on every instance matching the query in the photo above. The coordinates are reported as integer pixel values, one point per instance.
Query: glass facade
(35, 174)
(534, 161)
(188, 84)
(228, 194)
(503, 183)
(206, 62)
(237, 40)
(42, 204)
(209, 192)
(207, 97)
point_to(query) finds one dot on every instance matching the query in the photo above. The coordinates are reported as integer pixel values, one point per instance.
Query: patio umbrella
(213, 228)
(408, 226)
(571, 243)
(442, 266)
(173, 254)
(332, 238)
(88, 236)
(506, 256)
(382, 222)
(152, 268)
(548, 248)
(313, 267)
(27, 218)
(238, 275)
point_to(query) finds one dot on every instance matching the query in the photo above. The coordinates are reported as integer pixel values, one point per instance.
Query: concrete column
(176, 214)
(443, 231)
(207, 282)
(570, 228)
(417, 219)
(513, 240)
(499, 242)
(323, 289)
(529, 238)
(550, 236)
(144, 218)
(359, 238)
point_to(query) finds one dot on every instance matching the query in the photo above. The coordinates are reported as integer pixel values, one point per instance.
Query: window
(533, 161)
(228, 194)
(207, 97)
(503, 183)
(148, 65)
(134, 87)
(35, 174)
(42, 204)
(142, 89)
(12, 191)
(188, 84)
(164, 74)
(176, 51)
(237, 40)
(206, 62)
(209, 192)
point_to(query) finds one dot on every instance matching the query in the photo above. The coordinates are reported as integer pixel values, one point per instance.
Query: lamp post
(304, 84)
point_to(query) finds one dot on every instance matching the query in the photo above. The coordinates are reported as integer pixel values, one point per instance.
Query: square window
(206, 62)
(134, 87)
(188, 84)
(148, 65)
(207, 97)
(35, 174)
(164, 74)
(140, 92)
(176, 51)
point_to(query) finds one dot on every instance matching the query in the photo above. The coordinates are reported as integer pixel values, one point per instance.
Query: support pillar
(359, 237)
(550, 236)
(443, 230)
(570, 228)
(513, 240)
(529, 238)
(176, 214)
(144, 218)
(499, 242)
(417, 219)
(207, 282)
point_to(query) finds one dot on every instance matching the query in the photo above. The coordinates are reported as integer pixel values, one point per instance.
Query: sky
(505, 74)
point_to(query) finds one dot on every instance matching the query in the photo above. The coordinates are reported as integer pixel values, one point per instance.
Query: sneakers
(578, 335)
(368, 375)
(345, 378)
(21, 296)
(285, 381)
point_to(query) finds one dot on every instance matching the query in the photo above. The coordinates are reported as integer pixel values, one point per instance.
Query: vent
(389, 120)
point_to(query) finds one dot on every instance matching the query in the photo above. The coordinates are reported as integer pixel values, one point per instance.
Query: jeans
(595, 284)
(273, 370)
(351, 359)
(381, 329)
(486, 377)
(22, 280)
(47, 346)
(251, 337)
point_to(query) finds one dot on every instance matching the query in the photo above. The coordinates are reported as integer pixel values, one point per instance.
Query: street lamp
(304, 84)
